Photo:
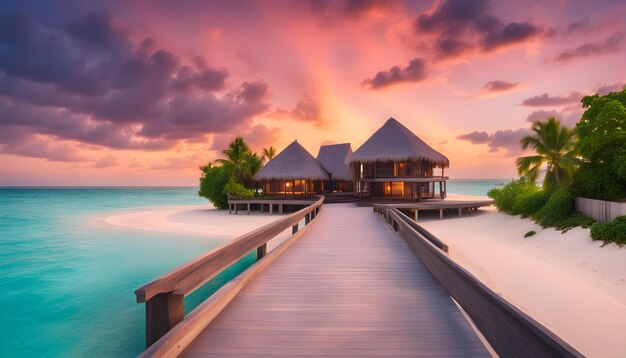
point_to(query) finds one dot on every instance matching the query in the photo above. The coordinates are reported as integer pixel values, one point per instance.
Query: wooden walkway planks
(348, 287)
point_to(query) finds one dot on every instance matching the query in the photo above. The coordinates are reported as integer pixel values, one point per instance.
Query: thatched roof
(294, 162)
(333, 158)
(393, 141)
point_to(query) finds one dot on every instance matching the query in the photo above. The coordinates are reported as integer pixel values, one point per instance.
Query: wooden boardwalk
(348, 287)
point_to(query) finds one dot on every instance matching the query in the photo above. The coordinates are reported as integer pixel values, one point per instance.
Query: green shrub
(559, 207)
(527, 204)
(610, 231)
(212, 183)
(233, 188)
(505, 197)
(530, 233)
(559, 212)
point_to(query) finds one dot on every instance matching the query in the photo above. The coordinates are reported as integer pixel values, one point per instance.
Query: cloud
(475, 137)
(17, 141)
(306, 110)
(567, 118)
(545, 100)
(463, 26)
(508, 140)
(611, 45)
(415, 71)
(500, 86)
(106, 162)
(350, 8)
(606, 89)
(85, 80)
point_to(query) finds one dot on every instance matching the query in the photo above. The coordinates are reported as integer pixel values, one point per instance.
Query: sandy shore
(565, 281)
(203, 220)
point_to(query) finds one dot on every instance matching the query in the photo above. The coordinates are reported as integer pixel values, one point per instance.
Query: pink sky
(142, 92)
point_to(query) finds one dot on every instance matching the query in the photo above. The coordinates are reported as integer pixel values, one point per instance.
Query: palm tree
(269, 153)
(554, 145)
(235, 158)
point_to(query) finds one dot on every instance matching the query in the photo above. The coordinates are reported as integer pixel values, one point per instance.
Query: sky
(143, 92)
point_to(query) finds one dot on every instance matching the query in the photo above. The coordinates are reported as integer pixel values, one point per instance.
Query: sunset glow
(143, 92)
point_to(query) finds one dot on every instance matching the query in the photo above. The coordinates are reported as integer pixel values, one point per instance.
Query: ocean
(67, 281)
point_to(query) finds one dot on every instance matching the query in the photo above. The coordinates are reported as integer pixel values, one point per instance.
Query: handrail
(509, 331)
(164, 295)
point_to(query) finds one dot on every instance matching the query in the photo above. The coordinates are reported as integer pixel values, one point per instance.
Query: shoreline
(197, 220)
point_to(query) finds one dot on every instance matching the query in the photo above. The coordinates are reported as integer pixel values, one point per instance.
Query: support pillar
(163, 312)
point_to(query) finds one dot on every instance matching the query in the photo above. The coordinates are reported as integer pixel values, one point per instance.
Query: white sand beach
(203, 220)
(567, 282)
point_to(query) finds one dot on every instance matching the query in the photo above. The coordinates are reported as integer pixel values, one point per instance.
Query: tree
(252, 163)
(555, 147)
(602, 146)
(212, 183)
(236, 154)
(269, 153)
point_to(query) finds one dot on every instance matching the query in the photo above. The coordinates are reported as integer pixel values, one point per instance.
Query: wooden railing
(164, 297)
(509, 331)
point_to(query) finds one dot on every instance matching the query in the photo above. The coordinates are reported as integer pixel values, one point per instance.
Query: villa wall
(600, 210)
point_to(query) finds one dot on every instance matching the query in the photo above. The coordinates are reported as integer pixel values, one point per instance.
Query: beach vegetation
(235, 189)
(241, 163)
(555, 147)
(213, 180)
(610, 231)
(602, 146)
(506, 198)
(528, 203)
(530, 233)
(269, 153)
(559, 212)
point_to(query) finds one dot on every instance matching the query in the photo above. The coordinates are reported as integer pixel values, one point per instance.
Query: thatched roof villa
(392, 164)
(395, 164)
(334, 158)
(293, 171)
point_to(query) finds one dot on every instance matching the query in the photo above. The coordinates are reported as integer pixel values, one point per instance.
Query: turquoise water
(67, 282)
(473, 187)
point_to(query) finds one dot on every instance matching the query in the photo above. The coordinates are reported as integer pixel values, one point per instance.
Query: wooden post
(229, 208)
(280, 208)
(460, 211)
(261, 251)
(248, 208)
(163, 312)
(441, 190)
(294, 229)
(416, 214)
(271, 208)
(440, 214)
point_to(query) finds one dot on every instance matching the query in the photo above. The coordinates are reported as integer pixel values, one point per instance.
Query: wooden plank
(347, 287)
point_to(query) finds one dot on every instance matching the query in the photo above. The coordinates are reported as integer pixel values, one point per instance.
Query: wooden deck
(348, 287)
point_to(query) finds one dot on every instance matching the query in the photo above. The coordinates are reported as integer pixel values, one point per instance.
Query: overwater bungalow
(334, 159)
(293, 172)
(395, 164)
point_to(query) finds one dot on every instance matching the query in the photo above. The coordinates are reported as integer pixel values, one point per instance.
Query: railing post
(261, 251)
(163, 312)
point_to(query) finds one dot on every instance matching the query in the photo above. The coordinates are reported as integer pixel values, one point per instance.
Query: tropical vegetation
(587, 161)
(230, 176)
